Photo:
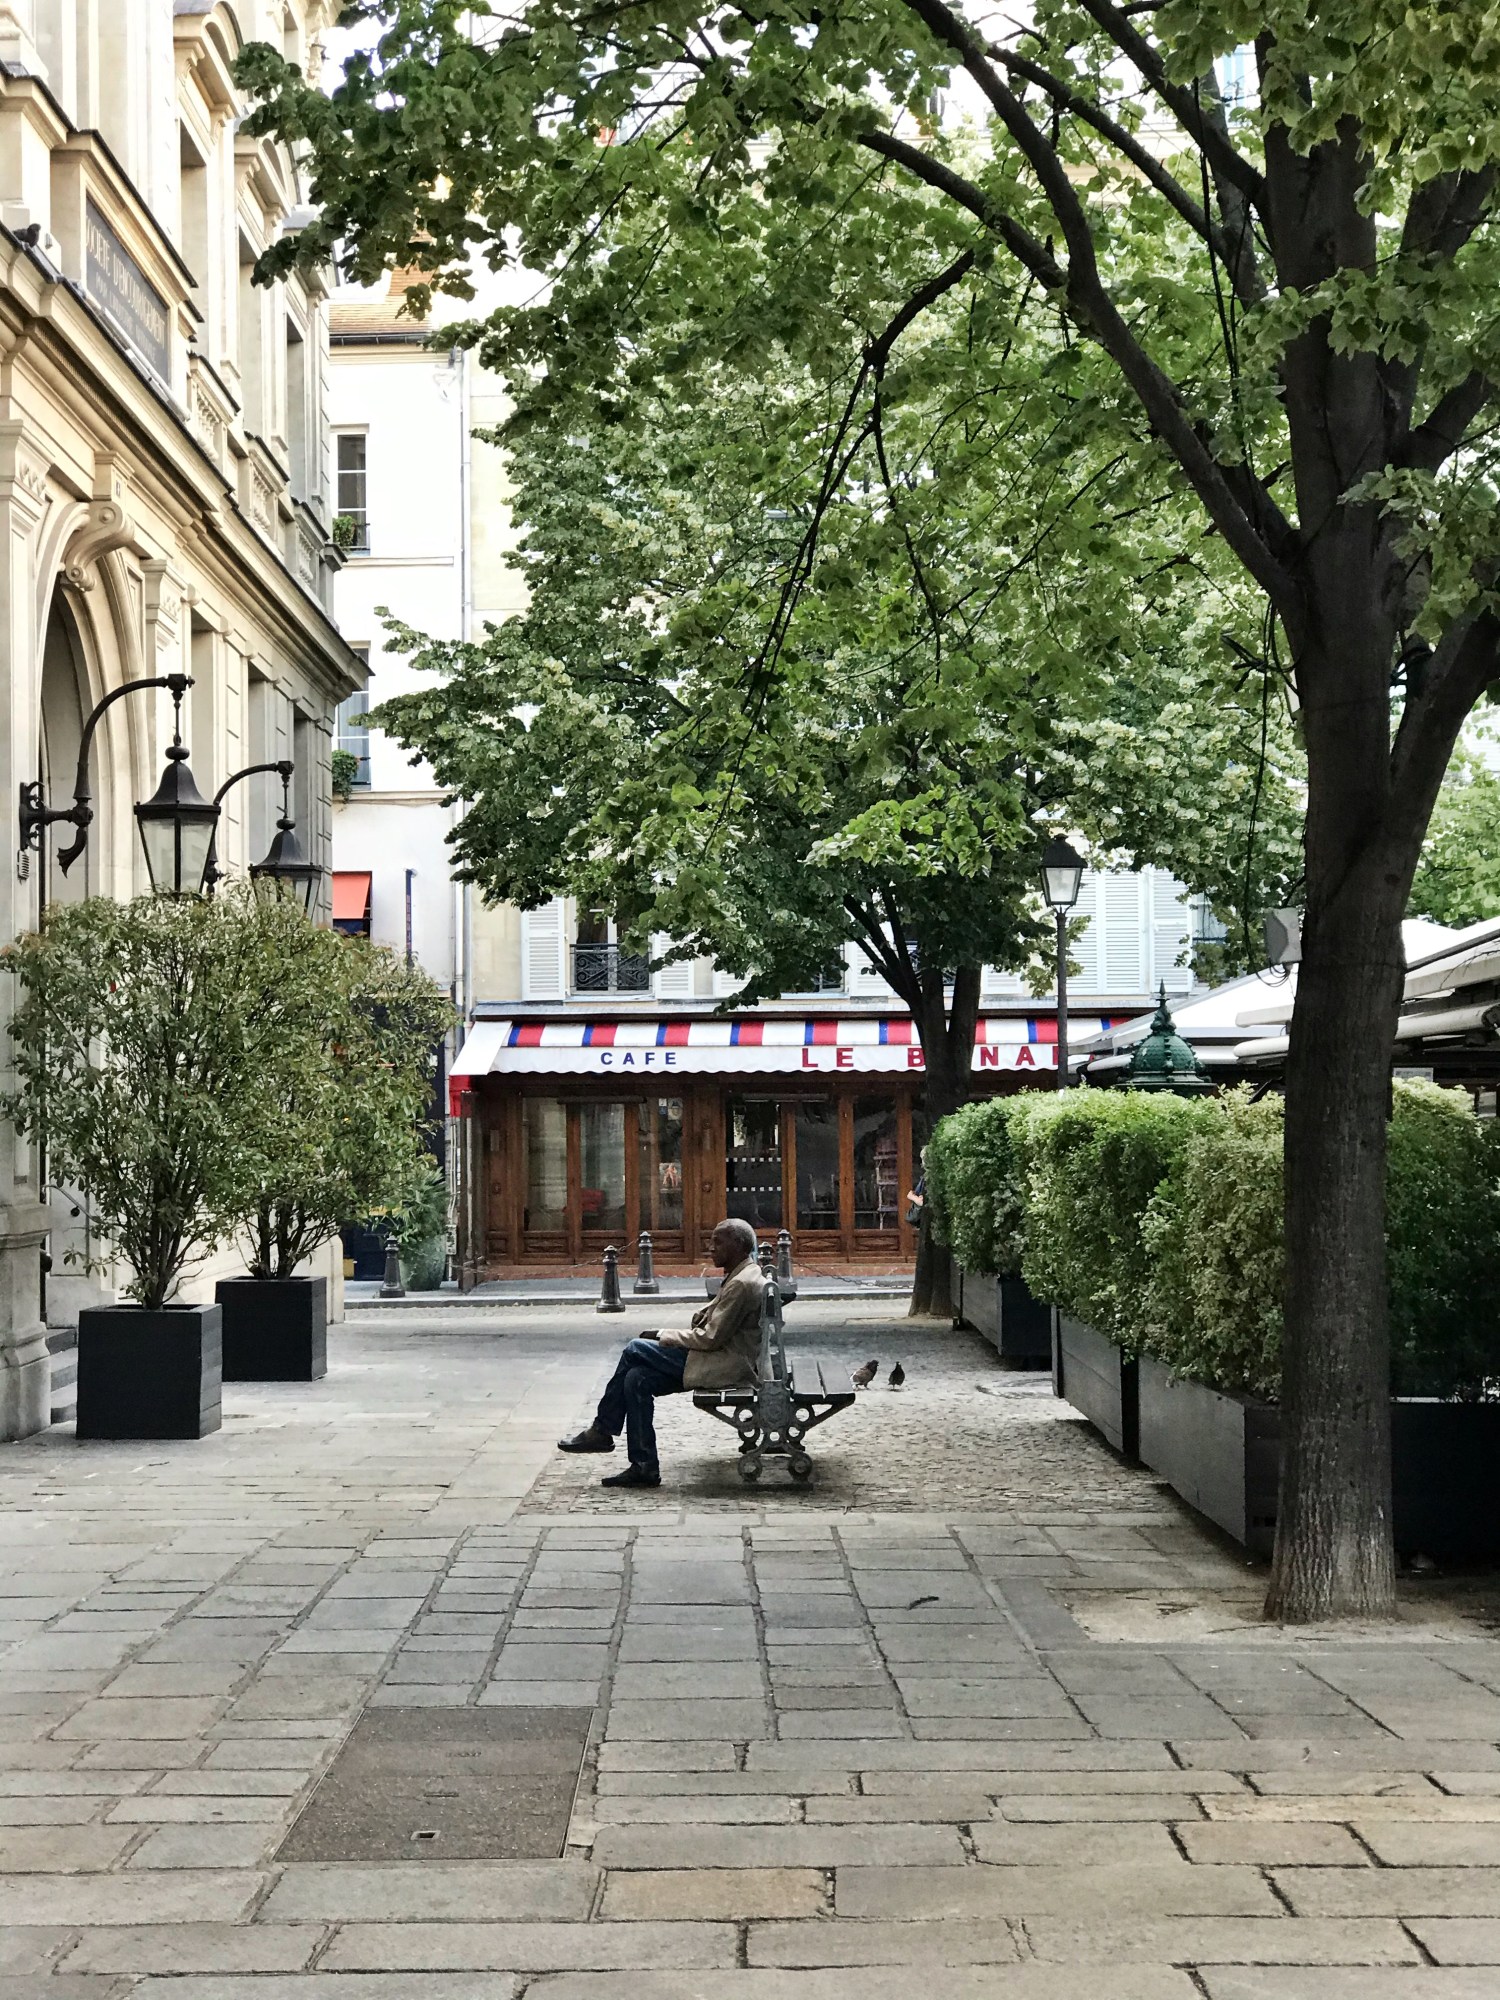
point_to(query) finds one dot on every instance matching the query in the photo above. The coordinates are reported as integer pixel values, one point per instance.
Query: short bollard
(609, 1292)
(767, 1259)
(784, 1276)
(391, 1286)
(645, 1275)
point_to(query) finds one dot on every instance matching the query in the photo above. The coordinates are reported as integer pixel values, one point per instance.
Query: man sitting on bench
(720, 1348)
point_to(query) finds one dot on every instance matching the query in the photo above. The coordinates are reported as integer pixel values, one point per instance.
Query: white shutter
(1171, 928)
(864, 981)
(670, 982)
(726, 983)
(1084, 950)
(1123, 955)
(995, 984)
(543, 952)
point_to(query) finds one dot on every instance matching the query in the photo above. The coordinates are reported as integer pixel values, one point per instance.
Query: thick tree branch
(1438, 436)
(1246, 278)
(1028, 250)
(1240, 507)
(1225, 160)
(1444, 213)
(1463, 664)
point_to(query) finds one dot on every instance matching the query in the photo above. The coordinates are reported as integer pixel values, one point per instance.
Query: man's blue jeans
(644, 1371)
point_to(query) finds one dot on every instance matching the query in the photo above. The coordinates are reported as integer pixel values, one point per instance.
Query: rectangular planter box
(1093, 1375)
(1222, 1454)
(1004, 1311)
(275, 1329)
(148, 1374)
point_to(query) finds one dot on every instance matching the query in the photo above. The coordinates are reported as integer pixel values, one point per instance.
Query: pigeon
(863, 1377)
(897, 1376)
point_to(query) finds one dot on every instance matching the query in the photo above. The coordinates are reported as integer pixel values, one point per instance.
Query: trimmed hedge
(1157, 1220)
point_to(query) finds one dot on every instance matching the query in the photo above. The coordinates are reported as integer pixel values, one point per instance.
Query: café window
(660, 1140)
(544, 1129)
(752, 1162)
(877, 1176)
(602, 1161)
(816, 1132)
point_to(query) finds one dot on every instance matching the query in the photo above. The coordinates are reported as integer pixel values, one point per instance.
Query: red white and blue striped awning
(778, 1044)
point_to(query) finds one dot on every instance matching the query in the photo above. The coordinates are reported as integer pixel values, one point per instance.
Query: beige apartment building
(164, 487)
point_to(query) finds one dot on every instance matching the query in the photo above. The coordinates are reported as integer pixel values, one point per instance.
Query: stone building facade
(165, 484)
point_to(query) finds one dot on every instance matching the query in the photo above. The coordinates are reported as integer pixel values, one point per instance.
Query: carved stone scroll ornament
(105, 526)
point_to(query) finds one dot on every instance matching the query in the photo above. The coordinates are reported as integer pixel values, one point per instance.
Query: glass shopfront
(566, 1173)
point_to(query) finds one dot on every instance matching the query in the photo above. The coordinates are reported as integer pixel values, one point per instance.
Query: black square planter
(1099, 1381)
(148, 1374)
(1004, 1311)
(275, 1329)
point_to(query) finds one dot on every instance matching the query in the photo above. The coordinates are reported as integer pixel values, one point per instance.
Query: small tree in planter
(339, 1134)
(143, 1040)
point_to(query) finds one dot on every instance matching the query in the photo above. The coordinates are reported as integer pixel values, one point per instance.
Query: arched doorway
(65, 703)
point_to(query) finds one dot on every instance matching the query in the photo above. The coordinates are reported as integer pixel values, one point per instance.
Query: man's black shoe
(633, 1475)
(593, 1439)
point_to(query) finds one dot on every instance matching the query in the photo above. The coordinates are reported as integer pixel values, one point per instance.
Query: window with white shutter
(726, 983)
(997, 985)
(1171, 929)
(1084, 950)
(543, 952)
(865, 982)
(671, 982)
(1123, 954)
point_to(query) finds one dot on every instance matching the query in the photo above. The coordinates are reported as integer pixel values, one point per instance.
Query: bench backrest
(773, 1362)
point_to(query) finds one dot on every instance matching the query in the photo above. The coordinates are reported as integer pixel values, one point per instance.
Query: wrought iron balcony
(604, 968)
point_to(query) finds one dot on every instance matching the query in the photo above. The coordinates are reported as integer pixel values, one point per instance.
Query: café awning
(779, 1044)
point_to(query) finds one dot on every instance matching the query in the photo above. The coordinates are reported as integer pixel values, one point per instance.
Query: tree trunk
(1334, 1555)
(948, 1056)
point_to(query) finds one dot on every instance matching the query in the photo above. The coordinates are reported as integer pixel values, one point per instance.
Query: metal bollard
(645, 1275)
(784, 1278)
(609, 1292)
(391, 1286)
(767, 1259)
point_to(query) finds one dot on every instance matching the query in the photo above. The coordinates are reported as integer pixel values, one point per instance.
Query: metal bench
(774, 1415)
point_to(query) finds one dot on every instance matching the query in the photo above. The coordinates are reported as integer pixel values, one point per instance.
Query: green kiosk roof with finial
(1164, 1061)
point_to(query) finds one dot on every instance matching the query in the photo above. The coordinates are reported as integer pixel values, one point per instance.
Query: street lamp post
(1062, 878)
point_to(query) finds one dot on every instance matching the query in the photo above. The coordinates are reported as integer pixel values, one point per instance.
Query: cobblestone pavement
(840, 1736)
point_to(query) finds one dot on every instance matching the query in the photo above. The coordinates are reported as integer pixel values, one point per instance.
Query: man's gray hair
(740, 1229)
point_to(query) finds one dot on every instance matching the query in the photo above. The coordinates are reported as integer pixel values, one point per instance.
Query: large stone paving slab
(981, 1702)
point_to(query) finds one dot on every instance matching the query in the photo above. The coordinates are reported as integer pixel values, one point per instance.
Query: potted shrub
(974, 1187)
(1093, 1158)
(338, 1134)
(1210, 1375)
(141, 1039)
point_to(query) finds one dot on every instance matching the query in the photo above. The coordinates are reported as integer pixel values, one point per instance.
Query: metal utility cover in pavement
(447, 1784)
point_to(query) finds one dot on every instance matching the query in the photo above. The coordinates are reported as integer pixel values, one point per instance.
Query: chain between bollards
(645, 1275)
(609, 1291)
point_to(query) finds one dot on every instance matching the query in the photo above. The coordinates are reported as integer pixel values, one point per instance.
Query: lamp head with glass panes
(286, 866)
(177, 823)
(1062, 874)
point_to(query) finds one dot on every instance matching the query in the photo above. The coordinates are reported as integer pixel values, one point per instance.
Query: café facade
(578, 1133)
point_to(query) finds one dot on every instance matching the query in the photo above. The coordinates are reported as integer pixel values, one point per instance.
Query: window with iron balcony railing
(604, 968)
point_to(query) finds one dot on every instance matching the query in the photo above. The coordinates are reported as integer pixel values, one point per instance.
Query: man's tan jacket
(723, 1342)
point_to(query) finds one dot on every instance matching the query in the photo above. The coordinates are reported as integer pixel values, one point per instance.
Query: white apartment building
(164, 484)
